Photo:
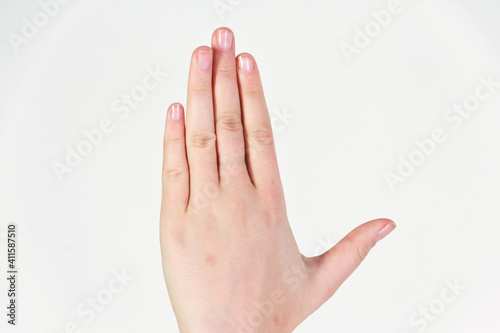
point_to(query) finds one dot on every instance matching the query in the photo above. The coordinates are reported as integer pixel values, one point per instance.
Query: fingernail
(245, 63)
(225, 40)
(204, 60)
(387, 229)
(176, 112)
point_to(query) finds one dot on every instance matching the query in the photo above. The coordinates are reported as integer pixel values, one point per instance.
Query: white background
(352, 121)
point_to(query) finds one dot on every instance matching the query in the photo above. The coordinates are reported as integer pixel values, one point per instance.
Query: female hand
(230, 260)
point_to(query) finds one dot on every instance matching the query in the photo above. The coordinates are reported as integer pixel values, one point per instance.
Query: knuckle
(252, 91)
(359, 256)
(273, 219)
(174, 139)
(262, 136)
(174, 173)
(239, 207)
(226, 70)
(203, 140)
(172, 235)
(231, 123)
(201, 88)
(358, 251)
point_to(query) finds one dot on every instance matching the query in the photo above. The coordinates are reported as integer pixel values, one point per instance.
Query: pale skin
(230, 260)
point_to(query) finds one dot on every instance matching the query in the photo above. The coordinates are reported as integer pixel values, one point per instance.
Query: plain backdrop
(341, 126)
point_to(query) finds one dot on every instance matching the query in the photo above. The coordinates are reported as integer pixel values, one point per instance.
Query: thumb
(333, 267)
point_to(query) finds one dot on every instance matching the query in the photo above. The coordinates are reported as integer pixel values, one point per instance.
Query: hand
(230, 260)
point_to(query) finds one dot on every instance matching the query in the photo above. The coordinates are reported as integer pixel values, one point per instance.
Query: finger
(336, 265)
(260, 153)
(175, 166)
(229, 129)
(200, 133)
